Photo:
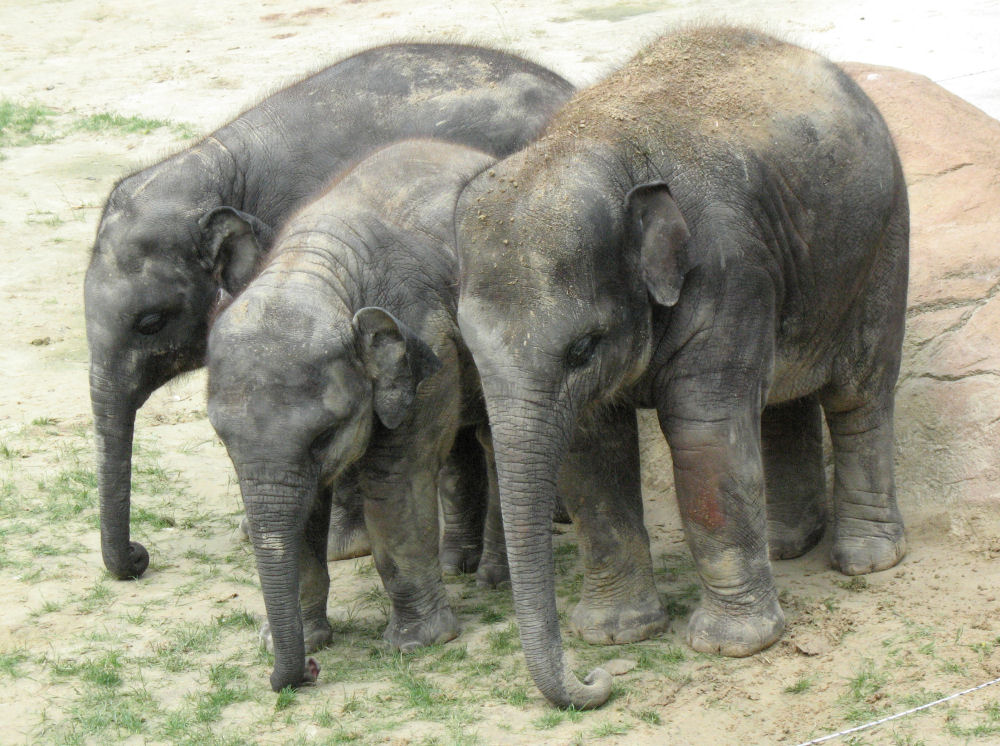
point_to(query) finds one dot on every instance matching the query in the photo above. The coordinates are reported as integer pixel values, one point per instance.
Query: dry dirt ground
(172, 658)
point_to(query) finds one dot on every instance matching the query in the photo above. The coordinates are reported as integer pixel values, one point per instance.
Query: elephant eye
(582, 350)
(323, 441)
(151, 323)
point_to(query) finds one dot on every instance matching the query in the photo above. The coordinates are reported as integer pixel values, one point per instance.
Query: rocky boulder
(948, 396)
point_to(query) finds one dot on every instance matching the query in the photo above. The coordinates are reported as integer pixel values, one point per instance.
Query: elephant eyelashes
(319, 445)
(151, 323)
(582, 350)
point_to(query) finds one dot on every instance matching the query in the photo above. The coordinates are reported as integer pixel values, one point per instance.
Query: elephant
(344, 357)
(718, 231)
(155, 274)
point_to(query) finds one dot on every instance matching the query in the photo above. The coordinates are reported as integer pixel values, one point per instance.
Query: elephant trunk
(529, 448)
(114, 423)
(277, 506)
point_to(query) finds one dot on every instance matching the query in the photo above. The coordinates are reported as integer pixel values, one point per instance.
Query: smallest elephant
(343, 358)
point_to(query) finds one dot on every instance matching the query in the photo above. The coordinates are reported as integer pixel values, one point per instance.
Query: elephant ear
(396, 359)
(232, 244)
(663, 237)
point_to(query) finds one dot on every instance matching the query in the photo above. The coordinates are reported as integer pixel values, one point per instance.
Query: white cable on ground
(872, 724)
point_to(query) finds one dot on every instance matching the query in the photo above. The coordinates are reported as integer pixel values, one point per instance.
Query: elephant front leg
(462, 491)
(314, 582)
(868, 528)
(718, 475)
(401, 514)
(792, 445)
(601, 485)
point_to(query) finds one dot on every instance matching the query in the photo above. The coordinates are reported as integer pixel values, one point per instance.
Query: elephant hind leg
(348, 536)
(795, 485)
(602, 491)
(868, 527)
(462, 492)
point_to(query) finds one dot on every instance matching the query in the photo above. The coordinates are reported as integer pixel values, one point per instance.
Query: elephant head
(164, 251)
(295, 390)
(557, 266)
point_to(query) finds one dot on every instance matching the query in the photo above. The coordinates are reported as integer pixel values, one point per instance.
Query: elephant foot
(348, 544)
(457, 559)
(492, 573)
(316, 635)
(620, 623)
(859, 556)
(735, 631)
(439, 627)
(787, 541)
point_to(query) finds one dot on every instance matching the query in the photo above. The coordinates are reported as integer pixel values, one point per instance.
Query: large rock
(948, 396)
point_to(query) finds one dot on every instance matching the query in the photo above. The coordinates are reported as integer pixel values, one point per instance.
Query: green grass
(18, 123)
(10, 663)
(801, 686)
(864, 698)
(33, 123)
(504, 641)
(105, 122)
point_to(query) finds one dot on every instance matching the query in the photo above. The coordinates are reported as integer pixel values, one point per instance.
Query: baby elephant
(343, 358)
(314, 373)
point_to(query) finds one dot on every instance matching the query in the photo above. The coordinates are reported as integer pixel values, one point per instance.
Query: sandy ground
(923, 629)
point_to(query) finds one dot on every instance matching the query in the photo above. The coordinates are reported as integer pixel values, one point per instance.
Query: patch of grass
(678, 603)
(97, 597)
(9, 663)
(100, 712)
(240, 619)
(69, 493)
(985, 648)
(105, 671)
(662, 659)
(285, 699)
(607, 729)
(565, 556)
(549, 720)
(228, 687)
(516, 695)
(491, 616)
(801, 686)
(175, 654)
(864, 692)
(143, 516)
(504, 641)
(19, 121)
(986, 723)
(652, 717)
(856, 584)
(108, 122)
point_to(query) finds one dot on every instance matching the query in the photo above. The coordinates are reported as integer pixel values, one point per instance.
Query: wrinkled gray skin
(155, 271)
(344, 356)
(718, 231)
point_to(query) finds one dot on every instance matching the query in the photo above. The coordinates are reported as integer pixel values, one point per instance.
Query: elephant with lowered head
(344, 356)
(155, 270)
(718, 231)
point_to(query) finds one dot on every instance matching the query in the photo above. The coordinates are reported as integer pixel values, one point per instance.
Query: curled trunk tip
(592, 693)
